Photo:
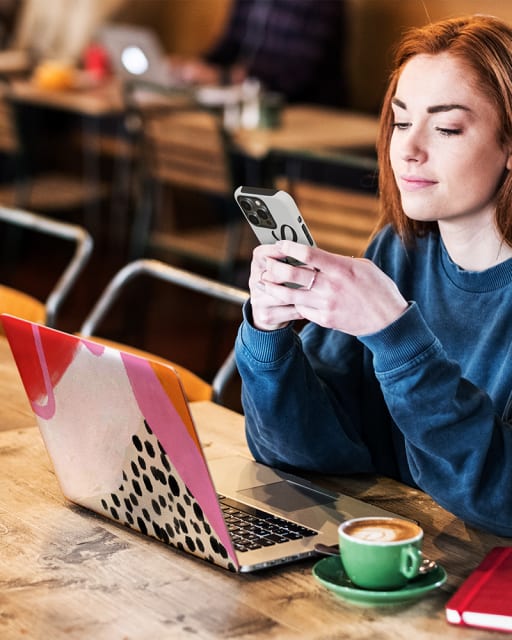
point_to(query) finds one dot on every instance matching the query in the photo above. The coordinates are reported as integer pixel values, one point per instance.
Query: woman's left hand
(337, 292)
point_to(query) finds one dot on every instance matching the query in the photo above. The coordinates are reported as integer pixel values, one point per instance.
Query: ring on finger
(311, 284)
(261, 276)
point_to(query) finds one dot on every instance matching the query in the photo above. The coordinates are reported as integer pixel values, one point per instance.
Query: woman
(405, 366)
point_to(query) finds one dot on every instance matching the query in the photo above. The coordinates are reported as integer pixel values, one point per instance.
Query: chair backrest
(185, 204)
(188, 150)
(340, 221)
(183, 145)
(19, 304)
(336, 195)
(210, 288)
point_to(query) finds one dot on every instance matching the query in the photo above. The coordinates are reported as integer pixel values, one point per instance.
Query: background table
(87, 100)
(68, 573)
(303, 126)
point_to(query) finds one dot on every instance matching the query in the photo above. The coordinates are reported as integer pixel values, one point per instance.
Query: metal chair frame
(66, 231)
(180, 277)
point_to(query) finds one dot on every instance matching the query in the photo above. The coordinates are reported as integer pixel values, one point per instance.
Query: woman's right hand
(351, 295)
(268, 312)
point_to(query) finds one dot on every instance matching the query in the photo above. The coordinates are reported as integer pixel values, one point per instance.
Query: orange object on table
(55, 75)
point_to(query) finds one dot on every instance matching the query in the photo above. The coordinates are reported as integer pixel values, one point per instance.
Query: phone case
(273, 215)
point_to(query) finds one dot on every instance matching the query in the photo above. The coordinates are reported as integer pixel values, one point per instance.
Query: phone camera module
(257, 212)
(265, 218)
(245, 204)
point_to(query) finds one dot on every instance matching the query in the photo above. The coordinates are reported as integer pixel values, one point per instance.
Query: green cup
(271, 108)
(380, 553)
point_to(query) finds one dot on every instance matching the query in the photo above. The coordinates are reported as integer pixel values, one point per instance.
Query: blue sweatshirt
(426, 401)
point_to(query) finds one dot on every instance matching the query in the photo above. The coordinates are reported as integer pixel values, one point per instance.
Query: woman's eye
(401, 126)
(448, 132)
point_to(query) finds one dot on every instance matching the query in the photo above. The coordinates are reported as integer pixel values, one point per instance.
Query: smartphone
(273, 215)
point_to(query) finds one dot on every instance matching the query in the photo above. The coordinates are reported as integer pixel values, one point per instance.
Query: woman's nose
(413, 147)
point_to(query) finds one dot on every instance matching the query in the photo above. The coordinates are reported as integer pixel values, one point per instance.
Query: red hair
(484, 44)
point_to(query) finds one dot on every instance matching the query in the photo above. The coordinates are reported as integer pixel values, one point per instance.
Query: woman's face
(444, 150)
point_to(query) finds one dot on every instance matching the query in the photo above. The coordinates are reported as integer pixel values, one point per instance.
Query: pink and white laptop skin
(122, 441)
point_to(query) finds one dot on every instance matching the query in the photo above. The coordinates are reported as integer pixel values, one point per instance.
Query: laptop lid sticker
(124, 443)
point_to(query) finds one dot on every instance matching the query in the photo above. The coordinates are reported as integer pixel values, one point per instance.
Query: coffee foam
(382, 530)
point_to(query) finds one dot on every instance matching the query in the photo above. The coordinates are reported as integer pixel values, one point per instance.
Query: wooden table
(303, 126)
(66, 573)
(312, 128)
(87, 100)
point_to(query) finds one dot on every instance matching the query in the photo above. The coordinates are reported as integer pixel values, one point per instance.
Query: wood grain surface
(68, 573)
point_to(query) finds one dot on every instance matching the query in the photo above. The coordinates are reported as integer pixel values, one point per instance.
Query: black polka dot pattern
(154, 500)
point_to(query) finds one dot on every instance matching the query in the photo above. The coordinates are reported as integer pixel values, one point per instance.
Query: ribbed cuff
(265, 346)
(400, 342)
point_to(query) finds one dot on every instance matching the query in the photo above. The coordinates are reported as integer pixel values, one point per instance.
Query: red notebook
(485, 598)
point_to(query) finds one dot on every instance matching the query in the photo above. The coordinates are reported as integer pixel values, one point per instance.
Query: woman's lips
(414, 183)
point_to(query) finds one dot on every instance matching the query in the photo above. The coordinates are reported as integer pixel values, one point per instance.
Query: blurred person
(60, 29)
(293, 47)
(404, 365)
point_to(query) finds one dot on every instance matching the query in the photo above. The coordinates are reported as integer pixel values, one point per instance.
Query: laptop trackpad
(286, 496)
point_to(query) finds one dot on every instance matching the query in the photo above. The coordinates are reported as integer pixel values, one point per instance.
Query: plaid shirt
(294, 47)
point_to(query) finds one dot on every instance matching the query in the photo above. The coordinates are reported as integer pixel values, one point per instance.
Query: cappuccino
(382, 530)
(380, 553)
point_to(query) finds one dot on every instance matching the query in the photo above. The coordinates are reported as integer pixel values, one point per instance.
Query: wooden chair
(32, 187)
(185, 151)
(195, 387)
(25, 305)
(335, 194)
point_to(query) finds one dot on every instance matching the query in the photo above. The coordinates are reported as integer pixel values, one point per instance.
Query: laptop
(120, 435)
(135, 53)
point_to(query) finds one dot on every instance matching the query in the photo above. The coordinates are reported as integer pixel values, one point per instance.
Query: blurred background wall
(184, 26)
(376, 24)
(189, 27)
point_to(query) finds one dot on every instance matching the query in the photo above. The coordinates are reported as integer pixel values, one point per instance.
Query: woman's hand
(337, 292)
(269, 312)
(194, 70)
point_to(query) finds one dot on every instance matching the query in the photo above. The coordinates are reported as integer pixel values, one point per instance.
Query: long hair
(483, 44)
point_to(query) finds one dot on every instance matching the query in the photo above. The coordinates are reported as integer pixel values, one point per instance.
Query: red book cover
(485, 598)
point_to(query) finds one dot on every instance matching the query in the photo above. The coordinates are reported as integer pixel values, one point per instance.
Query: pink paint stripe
(95, 348)
(47, 410)
(183, 452)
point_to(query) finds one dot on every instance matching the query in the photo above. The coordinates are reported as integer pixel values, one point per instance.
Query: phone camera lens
(246, 205)
(262, 214)
(253, 219)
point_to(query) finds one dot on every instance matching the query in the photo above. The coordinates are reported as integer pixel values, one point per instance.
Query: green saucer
(330, 574)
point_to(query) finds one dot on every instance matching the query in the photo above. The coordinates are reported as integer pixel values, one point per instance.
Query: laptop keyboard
(251, 528)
